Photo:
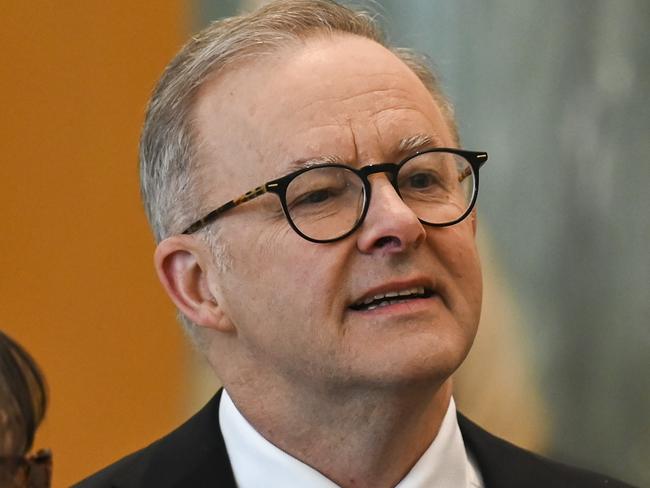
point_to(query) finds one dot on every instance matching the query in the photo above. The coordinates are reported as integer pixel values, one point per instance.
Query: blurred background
(556, 92)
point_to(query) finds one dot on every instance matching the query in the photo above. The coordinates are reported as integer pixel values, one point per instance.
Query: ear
(185, 268)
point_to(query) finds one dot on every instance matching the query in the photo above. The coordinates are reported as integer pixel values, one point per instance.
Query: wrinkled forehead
(341, 95)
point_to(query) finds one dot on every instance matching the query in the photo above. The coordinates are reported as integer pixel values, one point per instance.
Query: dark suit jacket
(194, 456)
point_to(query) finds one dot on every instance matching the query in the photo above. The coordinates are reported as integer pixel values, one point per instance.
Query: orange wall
(77, 287)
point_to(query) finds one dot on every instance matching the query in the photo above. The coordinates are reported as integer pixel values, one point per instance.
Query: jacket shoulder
(192, 455)
(505, 465)
(131, 467)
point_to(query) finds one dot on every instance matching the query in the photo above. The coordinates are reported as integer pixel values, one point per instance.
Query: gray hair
(168, 149)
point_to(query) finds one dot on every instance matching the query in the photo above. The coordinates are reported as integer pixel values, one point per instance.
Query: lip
(396, 286)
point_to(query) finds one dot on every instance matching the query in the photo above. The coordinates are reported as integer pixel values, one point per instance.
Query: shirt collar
(257, 462)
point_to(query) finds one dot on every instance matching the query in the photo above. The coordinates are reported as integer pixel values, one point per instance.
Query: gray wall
(557, 93)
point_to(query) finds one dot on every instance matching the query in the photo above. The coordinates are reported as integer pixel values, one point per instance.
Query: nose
(390, 225)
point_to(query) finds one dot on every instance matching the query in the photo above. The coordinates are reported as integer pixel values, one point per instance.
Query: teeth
(418, 290)
(384, 303)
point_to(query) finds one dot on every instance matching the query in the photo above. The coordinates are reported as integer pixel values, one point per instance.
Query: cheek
(456, 247)
(282, 280)
(285, 305)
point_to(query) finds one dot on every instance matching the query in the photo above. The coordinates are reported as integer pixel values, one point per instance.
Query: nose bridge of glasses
(380, 192)
(388, 218)
(390, 169)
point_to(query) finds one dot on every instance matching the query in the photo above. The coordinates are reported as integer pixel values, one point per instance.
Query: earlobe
(183, 268)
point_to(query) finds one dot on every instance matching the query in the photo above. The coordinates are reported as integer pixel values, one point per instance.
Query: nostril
(387, 241)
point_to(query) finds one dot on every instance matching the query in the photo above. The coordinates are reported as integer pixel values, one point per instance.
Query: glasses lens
(325, 203)
(437, 186)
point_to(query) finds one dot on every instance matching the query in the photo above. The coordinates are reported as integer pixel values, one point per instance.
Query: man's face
(290, 299)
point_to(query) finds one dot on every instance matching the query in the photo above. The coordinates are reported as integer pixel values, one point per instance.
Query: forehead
(342, 96)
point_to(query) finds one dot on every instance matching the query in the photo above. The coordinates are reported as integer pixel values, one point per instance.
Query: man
(338, 294)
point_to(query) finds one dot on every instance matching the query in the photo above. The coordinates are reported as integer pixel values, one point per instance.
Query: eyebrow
(315, 161)
(406, 145)
(418, 142)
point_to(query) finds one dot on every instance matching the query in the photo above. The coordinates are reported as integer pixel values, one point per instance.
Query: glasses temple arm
(209, 218)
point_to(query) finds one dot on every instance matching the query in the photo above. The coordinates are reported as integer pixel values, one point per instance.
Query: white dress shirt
(256, 462)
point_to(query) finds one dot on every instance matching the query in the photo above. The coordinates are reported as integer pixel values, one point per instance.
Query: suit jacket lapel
(193, 455)
(502, 465)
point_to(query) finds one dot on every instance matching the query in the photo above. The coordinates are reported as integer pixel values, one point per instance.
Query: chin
(413, 368)
(431, 372)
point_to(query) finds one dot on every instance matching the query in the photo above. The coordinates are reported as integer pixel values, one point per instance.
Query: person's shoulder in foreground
(316, 227)
(512, 466)
(194, 455)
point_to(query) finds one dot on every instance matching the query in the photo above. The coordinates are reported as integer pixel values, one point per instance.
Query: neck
(360, 439)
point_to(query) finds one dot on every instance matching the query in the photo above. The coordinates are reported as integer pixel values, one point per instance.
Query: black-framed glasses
(328, 202)
(33, 471)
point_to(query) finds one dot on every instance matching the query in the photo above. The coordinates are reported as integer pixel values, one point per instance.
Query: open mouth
(391, 298)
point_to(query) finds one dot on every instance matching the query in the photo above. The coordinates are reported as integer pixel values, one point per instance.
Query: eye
(422, 180)
(315, 197)
(318, 187)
